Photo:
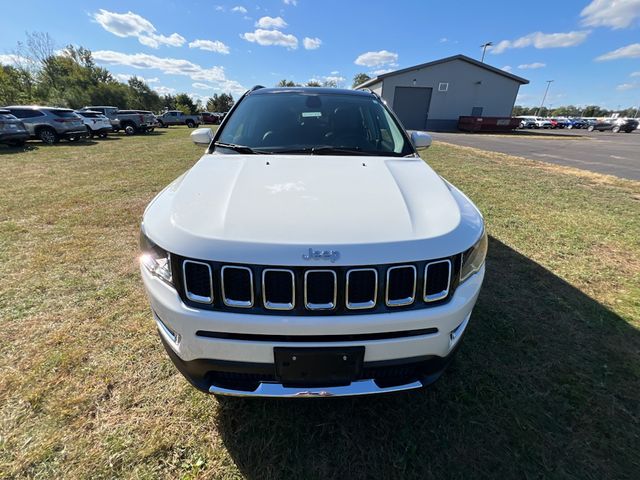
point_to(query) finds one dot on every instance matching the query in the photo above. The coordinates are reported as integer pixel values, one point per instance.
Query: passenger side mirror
(420, 139)
(202, 136)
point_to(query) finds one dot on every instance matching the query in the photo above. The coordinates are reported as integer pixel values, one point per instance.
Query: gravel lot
(602, 152)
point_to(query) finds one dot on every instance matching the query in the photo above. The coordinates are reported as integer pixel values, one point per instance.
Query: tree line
(70, 78)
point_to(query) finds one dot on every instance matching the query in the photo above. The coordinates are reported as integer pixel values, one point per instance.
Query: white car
(542, 123)
(311, 252)
(96, 123)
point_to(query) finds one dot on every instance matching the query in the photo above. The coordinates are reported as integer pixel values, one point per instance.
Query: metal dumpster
(487, 124)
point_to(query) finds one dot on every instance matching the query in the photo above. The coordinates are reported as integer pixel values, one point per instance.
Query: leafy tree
(16, 86)
(141, 97)
(286, 83)
(185, 104)
(313, 83)
(359, 79)
(220, 103)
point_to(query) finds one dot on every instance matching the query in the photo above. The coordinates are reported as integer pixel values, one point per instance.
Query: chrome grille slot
(320, 289)
(237, 286)
(278, 289)
(401, 285)
(437, 280)
(362, 288)
(198, 283)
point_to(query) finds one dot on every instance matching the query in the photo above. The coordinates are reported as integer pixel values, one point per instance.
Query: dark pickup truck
(176, 117)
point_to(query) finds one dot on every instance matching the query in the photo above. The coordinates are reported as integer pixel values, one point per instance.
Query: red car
(212, 117)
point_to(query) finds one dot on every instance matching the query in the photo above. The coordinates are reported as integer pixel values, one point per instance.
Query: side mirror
(202, 136)
(420, 139)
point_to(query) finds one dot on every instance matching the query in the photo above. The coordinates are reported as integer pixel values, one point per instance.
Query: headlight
(473, 258)
(155, 259)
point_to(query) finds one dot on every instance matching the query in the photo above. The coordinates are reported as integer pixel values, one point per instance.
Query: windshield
(303, 122)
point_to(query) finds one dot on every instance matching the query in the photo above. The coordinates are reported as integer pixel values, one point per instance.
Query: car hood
(252, 208)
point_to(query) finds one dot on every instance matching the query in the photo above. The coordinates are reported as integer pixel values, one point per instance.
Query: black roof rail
(256, 87)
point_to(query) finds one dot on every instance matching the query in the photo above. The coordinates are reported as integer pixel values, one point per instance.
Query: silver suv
(50, 124)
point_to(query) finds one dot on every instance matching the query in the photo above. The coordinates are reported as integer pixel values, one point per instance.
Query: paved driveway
(603, 152)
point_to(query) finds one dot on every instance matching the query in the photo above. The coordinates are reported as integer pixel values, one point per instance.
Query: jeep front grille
(276, 290)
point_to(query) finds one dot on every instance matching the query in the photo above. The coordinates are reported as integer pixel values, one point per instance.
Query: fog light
(456, 334)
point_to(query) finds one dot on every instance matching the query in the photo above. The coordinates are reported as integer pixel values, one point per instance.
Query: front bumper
(15, 136)
(235, 366)
(100, 130)
(74, 133)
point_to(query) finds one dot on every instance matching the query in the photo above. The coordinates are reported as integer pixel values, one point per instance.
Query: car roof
(38, 107)
(310, 90)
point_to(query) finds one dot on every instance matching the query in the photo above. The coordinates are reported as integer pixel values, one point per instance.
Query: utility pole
(484, 49)
(544, 97)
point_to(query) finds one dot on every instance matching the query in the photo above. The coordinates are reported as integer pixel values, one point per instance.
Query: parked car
(527, 122)
(96, 123)
(616, 125)
(576, 123)
(108, 111)
(559, 122)
(214, 118)
(50, 124)
(176, 117)
(12, 130)
(542, 123)
(137, 121)
(311, 252)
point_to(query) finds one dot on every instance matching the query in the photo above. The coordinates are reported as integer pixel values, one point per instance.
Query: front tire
(48, 135)
(190, 124)
(615, 129)
(129, 129)
(590, 128)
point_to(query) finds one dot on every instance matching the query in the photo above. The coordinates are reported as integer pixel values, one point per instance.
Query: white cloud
(164, 90)
(239, 9)
(171, 66)
(507, 68)
(271, 22)
(444, 40)
(336, 72)
(12, 60)
(219, 8)
(377, 59)
(623, 87)
(291, 2)
(630, 51)
(271, 37)
(635, 74)
(210, 45)
(133, 25)
(337, 79)
(543, 40)
(532, 66)
(311, 43)
(611, 13)
(201, 86)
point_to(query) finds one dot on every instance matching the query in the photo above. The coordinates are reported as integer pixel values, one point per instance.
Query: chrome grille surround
(320, 306)
(274, 305)
(443, 293)
(192, 296)
(229, 301)
(362, 305)
(401, 301)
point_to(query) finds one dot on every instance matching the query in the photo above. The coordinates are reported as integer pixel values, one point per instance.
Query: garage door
(411, 104)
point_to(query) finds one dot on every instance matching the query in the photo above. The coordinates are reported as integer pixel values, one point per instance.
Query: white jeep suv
(311, 252)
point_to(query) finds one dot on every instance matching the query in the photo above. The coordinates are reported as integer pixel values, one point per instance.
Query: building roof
(464, 58)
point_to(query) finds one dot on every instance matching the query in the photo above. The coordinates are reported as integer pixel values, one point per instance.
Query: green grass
(546, 384)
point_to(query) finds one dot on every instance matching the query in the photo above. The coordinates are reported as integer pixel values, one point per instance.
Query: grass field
(547, 384)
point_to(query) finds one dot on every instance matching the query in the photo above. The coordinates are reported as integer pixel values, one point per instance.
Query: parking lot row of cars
(591, 124)
(19, 123)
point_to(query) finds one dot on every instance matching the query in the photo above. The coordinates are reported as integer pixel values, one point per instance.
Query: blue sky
(591, 49)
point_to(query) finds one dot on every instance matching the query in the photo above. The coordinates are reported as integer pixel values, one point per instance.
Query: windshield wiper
(239, 148)
(327, 150)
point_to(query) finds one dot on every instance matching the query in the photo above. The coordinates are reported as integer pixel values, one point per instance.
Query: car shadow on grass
(545, 385)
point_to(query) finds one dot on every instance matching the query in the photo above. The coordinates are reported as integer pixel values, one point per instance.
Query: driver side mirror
(202, 136)
(420, 139)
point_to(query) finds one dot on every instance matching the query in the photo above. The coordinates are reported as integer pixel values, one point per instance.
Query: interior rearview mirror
(420, 139)
(202, 136)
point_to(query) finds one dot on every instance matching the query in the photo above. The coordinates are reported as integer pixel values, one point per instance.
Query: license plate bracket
(331, 366)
